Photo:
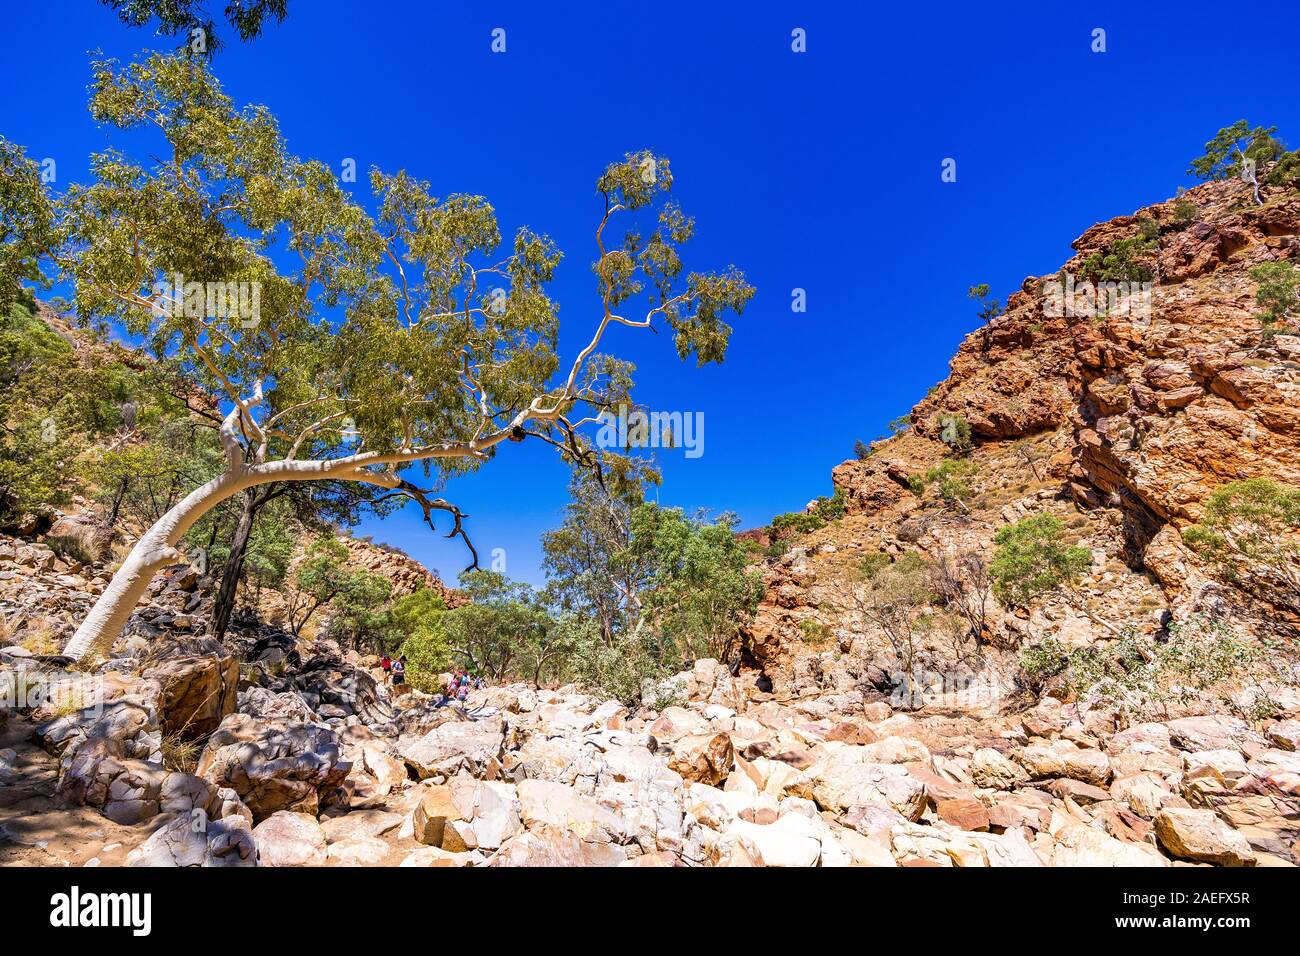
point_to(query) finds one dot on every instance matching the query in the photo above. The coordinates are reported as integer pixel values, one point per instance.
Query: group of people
(457, 688)
(394, 670)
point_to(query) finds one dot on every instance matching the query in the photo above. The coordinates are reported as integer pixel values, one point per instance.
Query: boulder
(1285, 734)
(290, 839)
(275, 766)
(1201, 836)
(198, 681)
(1214, 732)
(792, 841)
(1077, 844)
(844, 778)
(990, 768)
(470, 745)
(705, 758)
(544, 803)
(225, 842)
(1065, 759)
(552, 846)
(963, 814)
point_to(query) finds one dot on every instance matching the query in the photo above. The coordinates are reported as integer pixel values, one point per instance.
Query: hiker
(399, 671)
(386, 665)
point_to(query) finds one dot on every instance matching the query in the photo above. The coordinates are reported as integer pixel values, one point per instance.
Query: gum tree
(382, 340)
(1237, 151)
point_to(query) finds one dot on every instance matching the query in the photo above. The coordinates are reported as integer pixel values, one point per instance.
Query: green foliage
(357, 598)
(1231, 146)
(1250, 533)
(861, 450)
(824, 510)
(1125, 260)
(873, 563)
(1185, 212)
(183, 17)
(990, 308)
(893, 598)
(702, 591)
(949, 477)
(1201, 662)
(637, 592)
(428, 655)
(1031, 559)
(1278, 293)
(955, 432)
(502, 628)
(49, 409)
(813, 632)
(412, 611)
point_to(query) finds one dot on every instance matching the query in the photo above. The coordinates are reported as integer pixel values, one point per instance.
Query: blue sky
(818, 171)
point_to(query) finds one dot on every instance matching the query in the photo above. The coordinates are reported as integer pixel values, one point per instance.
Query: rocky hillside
(810, 749)
(1120, 424)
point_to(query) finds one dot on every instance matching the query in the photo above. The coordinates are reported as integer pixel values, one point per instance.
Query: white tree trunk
(155, 549)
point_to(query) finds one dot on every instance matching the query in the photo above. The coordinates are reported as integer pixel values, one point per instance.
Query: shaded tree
(385, 346)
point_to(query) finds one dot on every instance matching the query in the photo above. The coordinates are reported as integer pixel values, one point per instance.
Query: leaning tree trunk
(155, 549)
(224, 603)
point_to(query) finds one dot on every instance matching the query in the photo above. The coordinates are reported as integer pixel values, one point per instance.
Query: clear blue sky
(818, 171)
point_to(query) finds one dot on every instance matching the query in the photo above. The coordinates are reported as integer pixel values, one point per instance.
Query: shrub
(1278, 292)
(1185, 212)
(1250, 534)
(955, 432)
(893, 599)
(72, 547)
(813, 632)
(824, 510)
(1122, 261)
(1031, 559)
(950, 478)
(428, 654)
(1201, 660)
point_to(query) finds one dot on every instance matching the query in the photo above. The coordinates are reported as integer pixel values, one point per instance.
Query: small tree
(964, 583)
(492, 633)
(702, 592)
(428, 654)
(1279, 293)
(1236, 152)
(1250, 533)
(1031, 560)
(990, 308)
(955, 432)
(949, 479)
(893, 599)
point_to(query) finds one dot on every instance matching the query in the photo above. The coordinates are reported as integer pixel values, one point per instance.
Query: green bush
(428, 654)
(73, 547)
(1202, 662)
(1122, 261)
(1250, 534)
(824, 511)
(1278, 292)
(1031, 559)
(949, 477)
(955, 432)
